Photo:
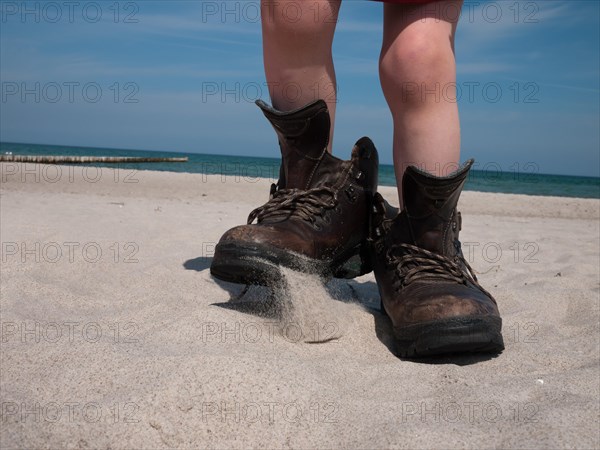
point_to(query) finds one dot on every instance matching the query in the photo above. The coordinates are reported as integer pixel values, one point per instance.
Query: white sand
(154, 353)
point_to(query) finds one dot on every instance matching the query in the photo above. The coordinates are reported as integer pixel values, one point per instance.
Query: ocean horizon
(485, 177)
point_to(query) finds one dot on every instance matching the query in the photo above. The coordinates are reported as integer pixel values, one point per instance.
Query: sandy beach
(114, 334)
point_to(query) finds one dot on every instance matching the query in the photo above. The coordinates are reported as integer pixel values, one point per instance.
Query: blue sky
(182, 76)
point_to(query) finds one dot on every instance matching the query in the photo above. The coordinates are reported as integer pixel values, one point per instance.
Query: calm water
(521, 180)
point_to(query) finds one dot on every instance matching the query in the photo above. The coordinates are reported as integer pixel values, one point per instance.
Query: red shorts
(406, 1)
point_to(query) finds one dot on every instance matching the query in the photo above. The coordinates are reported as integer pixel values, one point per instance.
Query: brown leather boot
(427, 287)
(316, 220)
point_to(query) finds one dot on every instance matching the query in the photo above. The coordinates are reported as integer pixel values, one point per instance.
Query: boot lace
(415, 263)
(305, 204)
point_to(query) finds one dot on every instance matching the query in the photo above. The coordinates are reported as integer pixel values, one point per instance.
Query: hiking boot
(317, 218)
(427, 288)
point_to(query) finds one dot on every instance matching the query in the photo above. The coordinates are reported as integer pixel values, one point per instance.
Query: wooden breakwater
(57, 159)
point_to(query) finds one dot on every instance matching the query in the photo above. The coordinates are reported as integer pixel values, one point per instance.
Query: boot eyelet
(272, 190)
(327, 219)
(351, 193)
(316, 226)
(338, 209)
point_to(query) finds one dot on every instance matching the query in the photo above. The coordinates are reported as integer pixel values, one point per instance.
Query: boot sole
(479, 334)
(238, 262)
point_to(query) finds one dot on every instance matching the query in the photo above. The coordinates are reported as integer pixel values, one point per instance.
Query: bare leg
(297, 39)
(418, 76)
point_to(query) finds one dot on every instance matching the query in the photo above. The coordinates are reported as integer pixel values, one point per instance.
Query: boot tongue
(296, 169)
(430, 204)
(303, 137)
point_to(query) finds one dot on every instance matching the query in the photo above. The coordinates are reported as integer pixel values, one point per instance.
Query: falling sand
(306, 308)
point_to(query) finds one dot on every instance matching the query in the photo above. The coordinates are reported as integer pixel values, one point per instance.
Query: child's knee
(415, 68)
(415, 58)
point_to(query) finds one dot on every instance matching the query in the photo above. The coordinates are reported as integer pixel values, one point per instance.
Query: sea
(491, 177)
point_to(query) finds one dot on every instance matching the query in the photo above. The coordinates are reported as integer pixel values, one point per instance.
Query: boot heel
(361, 261)
(351, 268)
